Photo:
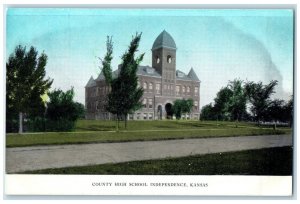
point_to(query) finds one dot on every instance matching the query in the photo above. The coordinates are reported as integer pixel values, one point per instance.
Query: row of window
(139, 116)
(184, 89)
(169, 59)
(97, 91)
(147, 103)
(179, 89)
(149, 116)
(150, 102)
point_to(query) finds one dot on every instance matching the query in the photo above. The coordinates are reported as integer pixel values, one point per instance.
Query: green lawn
(92, 131)
(271, 161)
(100, 125)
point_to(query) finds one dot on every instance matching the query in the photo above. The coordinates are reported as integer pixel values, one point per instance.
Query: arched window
(157, 60)
(145, 85)
(169, 59)
(188, 89)
(150, 86)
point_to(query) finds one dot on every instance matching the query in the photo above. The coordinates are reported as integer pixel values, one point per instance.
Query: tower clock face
(157, 60)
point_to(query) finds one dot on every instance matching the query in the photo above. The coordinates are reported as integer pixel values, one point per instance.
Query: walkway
(41, 157)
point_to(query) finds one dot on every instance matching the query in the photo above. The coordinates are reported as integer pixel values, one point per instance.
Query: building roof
(164, 39)
(91, 82)
(100, 76)
(147, 71)
(193, 75)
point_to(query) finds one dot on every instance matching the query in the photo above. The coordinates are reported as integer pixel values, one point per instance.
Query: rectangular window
(130, 116)
(145, 116)
(145, 103)
(150, 116)
(157, 87)
(196, 91)
(177, 90)
(188, 90)
(183, 89)
(145, 86)
(150, 103)
(150, 86)
(196, 105)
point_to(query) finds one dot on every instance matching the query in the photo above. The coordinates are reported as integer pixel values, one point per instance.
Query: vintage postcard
(142, 101)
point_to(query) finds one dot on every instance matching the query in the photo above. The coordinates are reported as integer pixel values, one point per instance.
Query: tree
(208, 112)
(26, 84)
(221, 104)
(275, 111)
(259, 97)
(236, 105)
(125, 95)
(177, 108)
(182, 106)
(187, 105)
(62, 111)
(289, 111)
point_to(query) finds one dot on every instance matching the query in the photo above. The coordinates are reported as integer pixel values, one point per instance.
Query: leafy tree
(275, 111)
(79, 107)
(259, 97)
(177, 108)
(221, 104)
(125, 95)
(187, 105)
(106, 63)
(182, 106)
(208, 112)
(230, 102)
(289, 111)
(236, 105)
(26, 84)
(61, 109)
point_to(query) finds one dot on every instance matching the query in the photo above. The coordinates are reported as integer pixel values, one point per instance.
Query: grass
(100, 125)
(269, 161)
(92, 131)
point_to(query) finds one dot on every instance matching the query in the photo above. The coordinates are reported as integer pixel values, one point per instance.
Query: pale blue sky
(219, 44)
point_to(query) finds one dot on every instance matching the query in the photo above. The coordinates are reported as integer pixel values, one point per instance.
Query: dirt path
(41, 157)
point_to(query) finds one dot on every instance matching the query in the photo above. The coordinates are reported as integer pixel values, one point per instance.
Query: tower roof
(91, 82)
(164, 39)
(193, 75)
(100, 76)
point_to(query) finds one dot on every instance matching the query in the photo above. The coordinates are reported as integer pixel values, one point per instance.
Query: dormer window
(169, 59)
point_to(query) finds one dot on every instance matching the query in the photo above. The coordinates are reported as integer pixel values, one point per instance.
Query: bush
(12, 125)
(60, 125)
(37, 124)
(42, 124)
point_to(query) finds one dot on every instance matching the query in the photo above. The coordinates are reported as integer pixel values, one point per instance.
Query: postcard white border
(19, 184)
(75, 184)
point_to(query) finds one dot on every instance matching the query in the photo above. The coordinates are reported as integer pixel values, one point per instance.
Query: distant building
(162, 85)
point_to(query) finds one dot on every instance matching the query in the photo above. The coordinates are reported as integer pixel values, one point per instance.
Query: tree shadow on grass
(96, 128)
(188, 125)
